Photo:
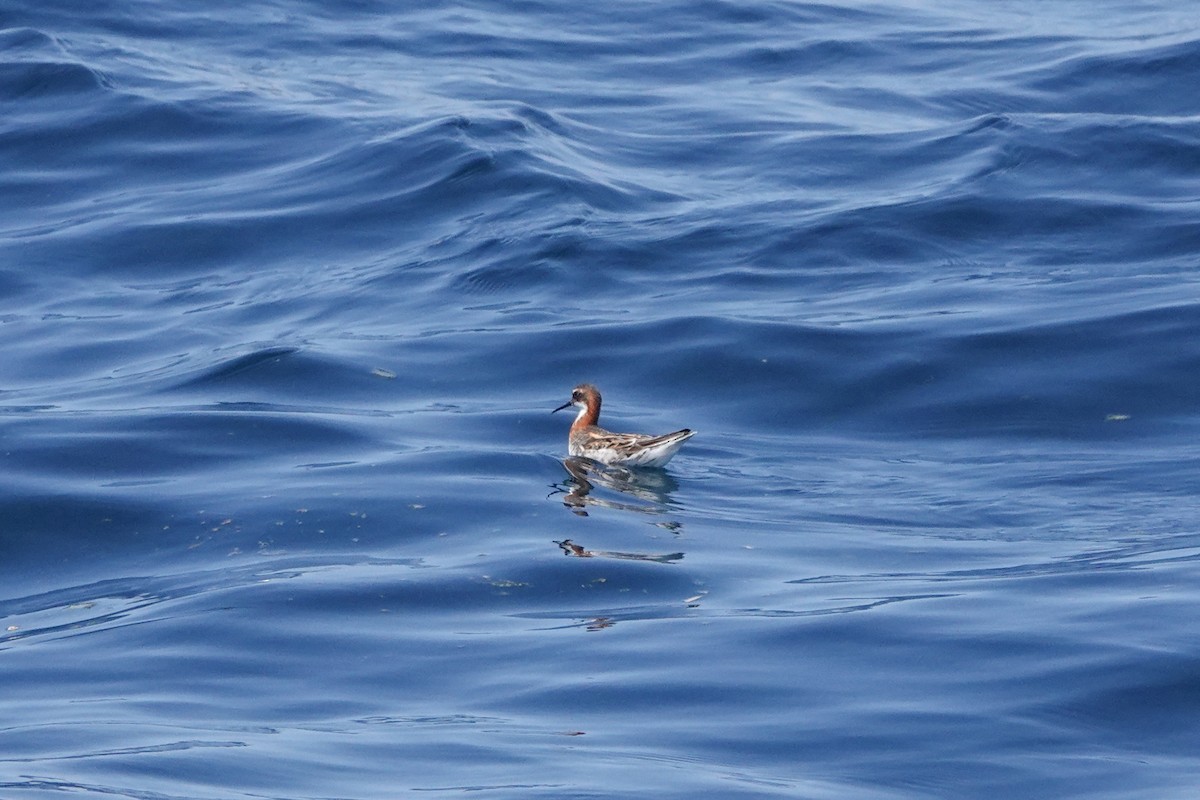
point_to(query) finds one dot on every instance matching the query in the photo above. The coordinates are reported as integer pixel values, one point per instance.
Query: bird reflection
(571, 549)
(652, 486)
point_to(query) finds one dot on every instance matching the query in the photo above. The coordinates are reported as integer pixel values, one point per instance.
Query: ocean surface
(289, 289)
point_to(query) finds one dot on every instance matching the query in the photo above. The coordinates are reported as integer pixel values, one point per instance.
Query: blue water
(290, 288)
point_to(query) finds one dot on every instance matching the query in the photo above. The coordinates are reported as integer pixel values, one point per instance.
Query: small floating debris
(1116, 418)
(380, 372)
(501, 583)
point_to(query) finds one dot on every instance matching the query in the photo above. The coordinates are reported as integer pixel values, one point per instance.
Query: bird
(588, 439)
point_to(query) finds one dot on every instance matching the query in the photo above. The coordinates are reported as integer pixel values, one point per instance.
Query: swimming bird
(588, 439)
